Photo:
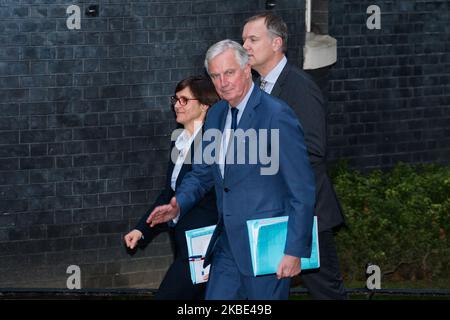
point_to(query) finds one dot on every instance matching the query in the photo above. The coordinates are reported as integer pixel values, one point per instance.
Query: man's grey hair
(222, 46)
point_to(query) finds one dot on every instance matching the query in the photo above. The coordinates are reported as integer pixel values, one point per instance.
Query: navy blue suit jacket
(244, 193)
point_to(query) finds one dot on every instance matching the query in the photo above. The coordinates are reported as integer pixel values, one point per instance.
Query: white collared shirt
(273, 75)
(183, 144)
(227, 128)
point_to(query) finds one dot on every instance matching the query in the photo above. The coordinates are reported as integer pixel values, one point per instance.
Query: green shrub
(398, 220)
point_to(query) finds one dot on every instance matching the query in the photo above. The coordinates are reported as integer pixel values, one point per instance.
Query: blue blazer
(245, 194)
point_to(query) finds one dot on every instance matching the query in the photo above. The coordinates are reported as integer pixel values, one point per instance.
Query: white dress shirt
(227, 129)
(273, 75)
(183, 144)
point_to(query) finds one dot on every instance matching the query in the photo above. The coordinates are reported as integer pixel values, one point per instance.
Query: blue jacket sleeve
(194, 186)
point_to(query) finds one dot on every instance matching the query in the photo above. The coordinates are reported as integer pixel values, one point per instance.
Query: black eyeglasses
(182, 100)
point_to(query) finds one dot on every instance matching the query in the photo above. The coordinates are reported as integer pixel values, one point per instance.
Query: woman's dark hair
(201, 87)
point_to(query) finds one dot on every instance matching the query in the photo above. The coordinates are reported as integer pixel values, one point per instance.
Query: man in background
(265, 39)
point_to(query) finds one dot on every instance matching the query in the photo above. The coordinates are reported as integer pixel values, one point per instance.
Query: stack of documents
(197, 243)
(267, 243)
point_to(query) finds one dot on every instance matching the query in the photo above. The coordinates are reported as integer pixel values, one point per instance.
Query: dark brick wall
(390, 88)
(319, 16)
(85, 127)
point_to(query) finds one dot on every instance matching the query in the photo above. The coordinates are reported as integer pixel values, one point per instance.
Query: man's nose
(245, 45)
(223, 81)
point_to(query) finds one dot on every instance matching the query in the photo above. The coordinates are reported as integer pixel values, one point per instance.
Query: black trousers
(325, 283)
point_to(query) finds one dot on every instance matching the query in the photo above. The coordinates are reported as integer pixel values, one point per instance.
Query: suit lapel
(276, 91)
(252, 103)
(185, 168)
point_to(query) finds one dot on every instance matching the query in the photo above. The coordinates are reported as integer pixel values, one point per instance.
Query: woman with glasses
(193, 96)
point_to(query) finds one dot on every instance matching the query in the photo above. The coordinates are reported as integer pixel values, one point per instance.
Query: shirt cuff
(175, 220)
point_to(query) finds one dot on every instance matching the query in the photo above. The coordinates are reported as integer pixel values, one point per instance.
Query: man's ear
(277, 43)
(248, 70)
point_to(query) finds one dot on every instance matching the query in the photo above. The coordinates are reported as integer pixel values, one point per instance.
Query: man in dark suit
(246, 191)
(265, 39)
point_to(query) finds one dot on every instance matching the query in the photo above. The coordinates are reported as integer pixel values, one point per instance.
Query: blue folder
(267, 242)
(197, 242)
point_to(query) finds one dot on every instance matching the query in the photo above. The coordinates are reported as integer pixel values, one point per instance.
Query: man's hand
(132, 238)
(289, 267)
(164, 213)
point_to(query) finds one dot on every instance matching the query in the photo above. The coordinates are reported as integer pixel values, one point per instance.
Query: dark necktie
(234, 114)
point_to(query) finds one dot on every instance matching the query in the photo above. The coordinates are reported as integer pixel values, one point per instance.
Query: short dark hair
(275, 25)
(201, 87)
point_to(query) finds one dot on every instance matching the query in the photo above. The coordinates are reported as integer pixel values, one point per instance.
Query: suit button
(226, 189)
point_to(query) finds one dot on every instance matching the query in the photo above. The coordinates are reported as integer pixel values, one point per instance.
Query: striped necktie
(262, 85)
